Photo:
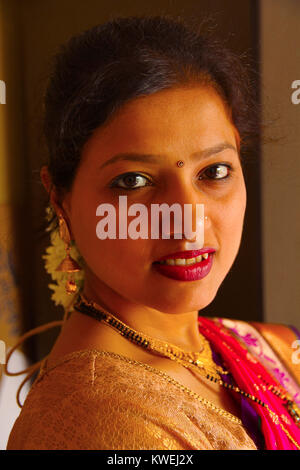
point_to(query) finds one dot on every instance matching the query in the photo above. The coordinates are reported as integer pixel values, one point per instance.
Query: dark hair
(99, 70)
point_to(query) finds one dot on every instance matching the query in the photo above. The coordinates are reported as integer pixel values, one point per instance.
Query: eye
(219, 171)
(130, 181)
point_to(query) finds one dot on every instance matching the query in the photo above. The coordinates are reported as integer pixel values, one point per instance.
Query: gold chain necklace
(197, 361)
(200, 361)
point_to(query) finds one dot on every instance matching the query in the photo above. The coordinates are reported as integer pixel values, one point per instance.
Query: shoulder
(275, 343)
(93, 400)
(101, 401)
(285, 341)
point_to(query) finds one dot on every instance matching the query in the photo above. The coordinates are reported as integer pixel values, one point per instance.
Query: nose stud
(180, 163)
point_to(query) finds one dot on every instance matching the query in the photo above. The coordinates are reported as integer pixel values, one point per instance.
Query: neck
(180, 329)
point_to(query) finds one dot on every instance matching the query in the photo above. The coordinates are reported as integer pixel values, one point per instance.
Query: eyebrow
(150, 158)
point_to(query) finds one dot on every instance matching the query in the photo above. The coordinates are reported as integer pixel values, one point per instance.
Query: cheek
(232, 221)
(109, 259)
(120, 265)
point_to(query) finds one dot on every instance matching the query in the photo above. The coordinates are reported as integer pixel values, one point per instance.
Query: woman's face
(171, 125)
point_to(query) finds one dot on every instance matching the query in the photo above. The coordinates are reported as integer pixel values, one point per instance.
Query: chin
(180, 302)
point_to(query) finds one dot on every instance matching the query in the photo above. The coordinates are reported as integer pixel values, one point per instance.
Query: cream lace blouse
(97, 400)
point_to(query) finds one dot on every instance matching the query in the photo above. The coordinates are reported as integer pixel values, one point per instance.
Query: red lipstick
(187, 254)
(186, 272)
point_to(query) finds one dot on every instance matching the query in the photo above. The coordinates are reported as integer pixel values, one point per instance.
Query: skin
(172, 124)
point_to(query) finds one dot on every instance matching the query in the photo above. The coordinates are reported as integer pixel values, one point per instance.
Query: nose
(189, 216)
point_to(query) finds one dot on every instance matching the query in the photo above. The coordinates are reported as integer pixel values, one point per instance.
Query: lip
(193, 272)
(187, 254)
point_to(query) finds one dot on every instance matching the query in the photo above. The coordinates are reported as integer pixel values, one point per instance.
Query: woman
(149, 109)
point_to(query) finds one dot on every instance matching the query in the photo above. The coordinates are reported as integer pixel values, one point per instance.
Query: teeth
(184, 261)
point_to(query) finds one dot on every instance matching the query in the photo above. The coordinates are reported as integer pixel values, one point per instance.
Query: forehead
(184, 116)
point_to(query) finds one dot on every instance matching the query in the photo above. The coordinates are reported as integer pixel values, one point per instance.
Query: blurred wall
(280, 66)
(14, 204)
(43, 26)
(11, 172)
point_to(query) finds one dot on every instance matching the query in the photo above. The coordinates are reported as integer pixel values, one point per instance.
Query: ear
(50, 188)
(45, 178)
(60, 207)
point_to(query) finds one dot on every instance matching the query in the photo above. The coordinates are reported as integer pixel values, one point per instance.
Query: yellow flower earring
(68, 264)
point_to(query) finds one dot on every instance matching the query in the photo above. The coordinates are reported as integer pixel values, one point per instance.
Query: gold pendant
(71, 286)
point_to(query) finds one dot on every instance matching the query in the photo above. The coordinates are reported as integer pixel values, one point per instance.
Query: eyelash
(114, 182)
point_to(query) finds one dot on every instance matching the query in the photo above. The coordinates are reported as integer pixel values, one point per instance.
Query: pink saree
(255, 368)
